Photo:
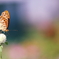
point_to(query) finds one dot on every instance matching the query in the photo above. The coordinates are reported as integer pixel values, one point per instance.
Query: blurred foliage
(24, 34)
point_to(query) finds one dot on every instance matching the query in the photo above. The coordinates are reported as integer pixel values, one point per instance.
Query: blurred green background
(29, 36)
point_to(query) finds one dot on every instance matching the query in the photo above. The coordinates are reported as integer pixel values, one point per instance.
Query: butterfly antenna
(13, 30)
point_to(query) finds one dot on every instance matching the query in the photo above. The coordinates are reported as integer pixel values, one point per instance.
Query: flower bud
(2, 38)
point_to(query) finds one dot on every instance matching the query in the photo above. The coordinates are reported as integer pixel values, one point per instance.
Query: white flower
(2, 38)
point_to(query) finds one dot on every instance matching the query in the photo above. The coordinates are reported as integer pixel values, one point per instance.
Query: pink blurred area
(16, 51)
(33, 52)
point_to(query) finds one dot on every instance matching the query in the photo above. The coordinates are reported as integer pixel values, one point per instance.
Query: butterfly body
(4, 21)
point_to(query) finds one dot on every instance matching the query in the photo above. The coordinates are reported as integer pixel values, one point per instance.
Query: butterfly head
(6, 14)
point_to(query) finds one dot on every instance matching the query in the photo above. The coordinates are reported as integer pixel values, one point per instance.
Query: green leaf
(6, 43)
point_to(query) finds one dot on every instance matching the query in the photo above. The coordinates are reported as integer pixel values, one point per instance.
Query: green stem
(1, 51)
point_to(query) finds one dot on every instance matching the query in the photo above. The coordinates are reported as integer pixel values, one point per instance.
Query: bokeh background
(33, 29)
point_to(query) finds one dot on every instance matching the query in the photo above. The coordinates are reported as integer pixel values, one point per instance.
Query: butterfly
(4, 21)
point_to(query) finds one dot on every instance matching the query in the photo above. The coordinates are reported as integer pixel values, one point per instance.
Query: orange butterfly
(4, 21)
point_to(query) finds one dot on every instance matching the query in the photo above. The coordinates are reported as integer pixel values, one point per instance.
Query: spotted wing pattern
(4, 20)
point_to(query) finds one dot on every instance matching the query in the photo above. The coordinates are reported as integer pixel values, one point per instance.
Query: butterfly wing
(6, 15)
(6, 18)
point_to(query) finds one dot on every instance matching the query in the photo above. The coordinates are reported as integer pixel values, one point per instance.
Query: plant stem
(1, 51)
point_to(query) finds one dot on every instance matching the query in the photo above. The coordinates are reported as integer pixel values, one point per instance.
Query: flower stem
(1, 51)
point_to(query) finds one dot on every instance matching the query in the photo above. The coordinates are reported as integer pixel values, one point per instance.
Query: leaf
(6, 43)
